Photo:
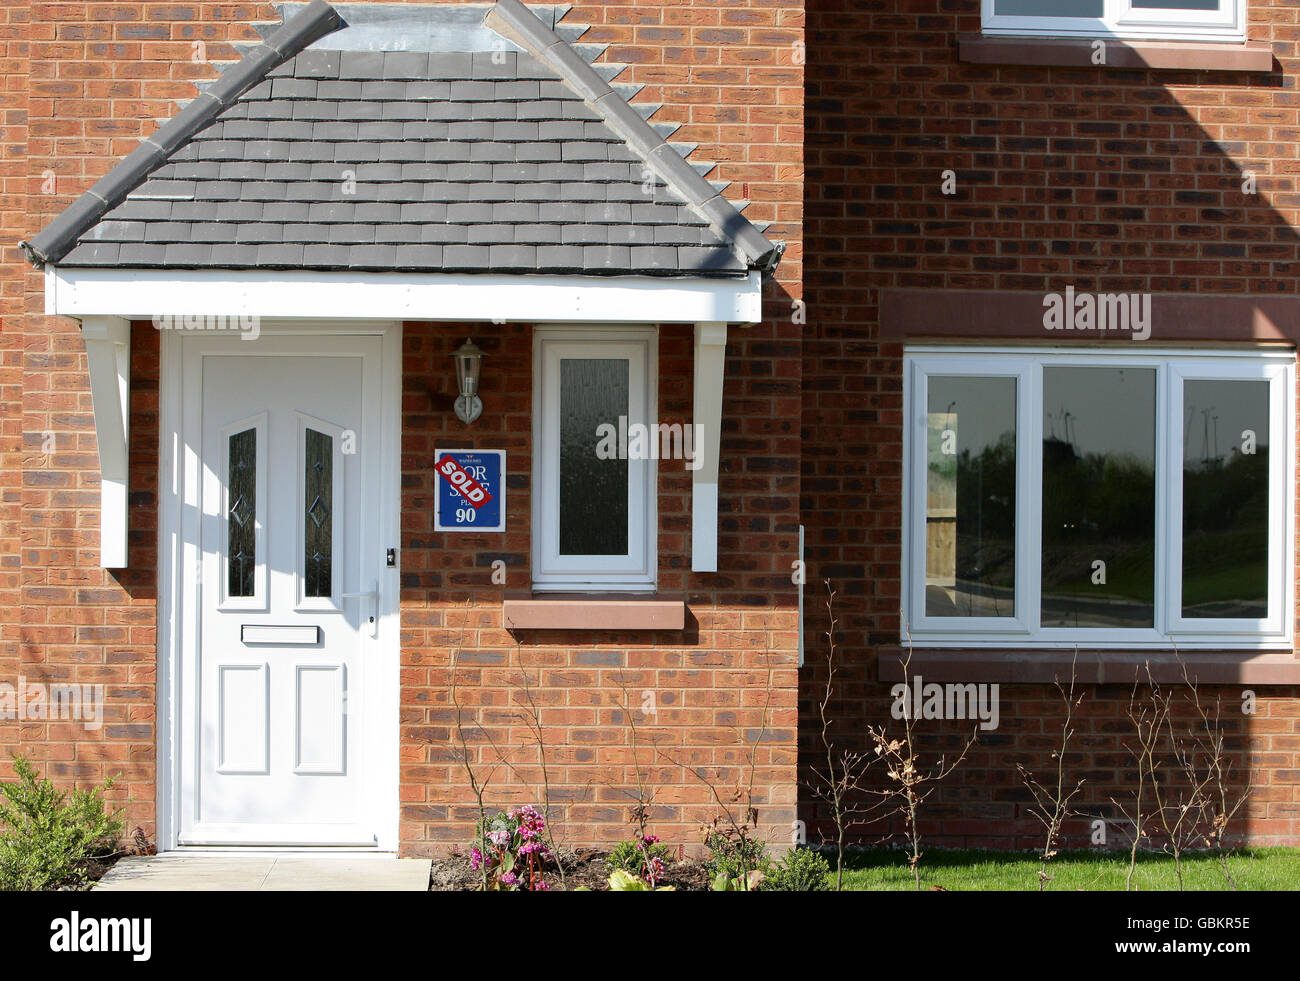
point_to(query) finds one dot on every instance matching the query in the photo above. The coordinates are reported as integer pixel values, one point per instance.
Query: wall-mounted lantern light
(469, 359)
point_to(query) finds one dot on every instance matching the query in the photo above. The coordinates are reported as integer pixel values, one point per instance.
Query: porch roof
(499, 150)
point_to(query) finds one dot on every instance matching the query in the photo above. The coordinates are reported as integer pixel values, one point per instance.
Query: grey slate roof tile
(428, 90)
(512, 257)
(187, 254)
(135, 210)
(285, 211)
(361, 64)
(419, 256)
(584, 234)
(209, 231)
(338, 89)
(537, 234)
(444, 234)
(538, 151)
(606, 257)
(567, 258)
(317, 64)
(539, 110)
(466, 257)
(373, 257)
(450, 65)
(463, 161)
(494, 64)
(406, 64)
(353, 233)
(377, 211)
(232, 255)
(397, 233)
(287, 255)
(654, 257)
(630, 235)
(468, 212)
(293, 88)
(422, 212)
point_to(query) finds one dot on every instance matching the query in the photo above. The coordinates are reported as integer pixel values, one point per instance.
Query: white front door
(285, 565)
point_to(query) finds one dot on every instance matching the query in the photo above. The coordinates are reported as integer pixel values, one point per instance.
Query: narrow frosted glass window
(241, 514)
(970, 518)
(319, 518)
(1098, 553)
(593, 492)
(1225, 499)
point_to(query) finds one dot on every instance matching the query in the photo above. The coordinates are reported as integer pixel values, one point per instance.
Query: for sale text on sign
(471, 490)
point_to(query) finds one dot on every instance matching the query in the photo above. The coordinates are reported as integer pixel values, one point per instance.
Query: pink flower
(475, 858)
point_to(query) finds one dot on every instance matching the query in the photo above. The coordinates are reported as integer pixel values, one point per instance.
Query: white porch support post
(710, 355)
(108, 356)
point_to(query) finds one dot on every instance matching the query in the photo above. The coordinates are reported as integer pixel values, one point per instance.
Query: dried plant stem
(904, 768)
(1052, 803)
(843, 783)
(535, 727)
(478, 787)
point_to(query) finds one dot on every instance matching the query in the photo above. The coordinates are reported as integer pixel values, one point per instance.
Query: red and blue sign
(471, 490)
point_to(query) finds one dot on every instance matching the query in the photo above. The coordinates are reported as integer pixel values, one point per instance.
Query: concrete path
(267, 873)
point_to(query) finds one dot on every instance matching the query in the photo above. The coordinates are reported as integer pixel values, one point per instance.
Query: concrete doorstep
(266, 873)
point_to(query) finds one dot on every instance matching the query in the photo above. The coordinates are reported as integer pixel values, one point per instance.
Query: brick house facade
(1107, 179)
(84, 84)
(1103, 178)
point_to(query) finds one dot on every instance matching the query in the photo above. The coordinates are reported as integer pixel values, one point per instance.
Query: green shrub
(627, 857)
(49, 834)
(734, 856)
(802, 870)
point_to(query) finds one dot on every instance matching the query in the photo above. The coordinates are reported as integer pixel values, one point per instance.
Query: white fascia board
(142, 294)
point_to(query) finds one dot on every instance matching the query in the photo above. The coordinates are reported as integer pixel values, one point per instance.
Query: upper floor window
(1190, 20)
(1098, 499)
(594, 525)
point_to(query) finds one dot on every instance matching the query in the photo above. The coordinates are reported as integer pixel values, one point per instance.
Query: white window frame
(638, 569)
(1122, 19)
(1172, 368)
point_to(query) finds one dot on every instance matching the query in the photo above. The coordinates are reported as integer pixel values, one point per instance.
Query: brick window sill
(1093, 667)
(983, 49)
(587, 611)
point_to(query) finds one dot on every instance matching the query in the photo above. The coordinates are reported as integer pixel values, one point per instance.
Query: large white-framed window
(594, 502)
(1055, 497)
(1192, 20)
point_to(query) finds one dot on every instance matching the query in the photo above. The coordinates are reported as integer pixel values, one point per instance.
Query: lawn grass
(962, 869)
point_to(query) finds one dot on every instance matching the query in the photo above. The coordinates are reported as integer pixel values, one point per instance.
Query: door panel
(286, 562)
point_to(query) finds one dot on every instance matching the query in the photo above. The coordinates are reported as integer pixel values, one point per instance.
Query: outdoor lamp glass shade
(469, 360)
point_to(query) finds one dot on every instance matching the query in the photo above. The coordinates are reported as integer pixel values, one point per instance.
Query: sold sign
(462, 482)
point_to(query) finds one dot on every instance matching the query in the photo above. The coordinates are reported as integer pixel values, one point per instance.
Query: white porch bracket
(710, 356)
(108, 357)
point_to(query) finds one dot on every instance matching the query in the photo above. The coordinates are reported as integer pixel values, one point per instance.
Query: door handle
(373, 596)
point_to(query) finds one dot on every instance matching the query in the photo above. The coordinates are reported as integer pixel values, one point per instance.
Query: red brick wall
(1105, 179)
(13, 200)
(83, 82)
(709, 682)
